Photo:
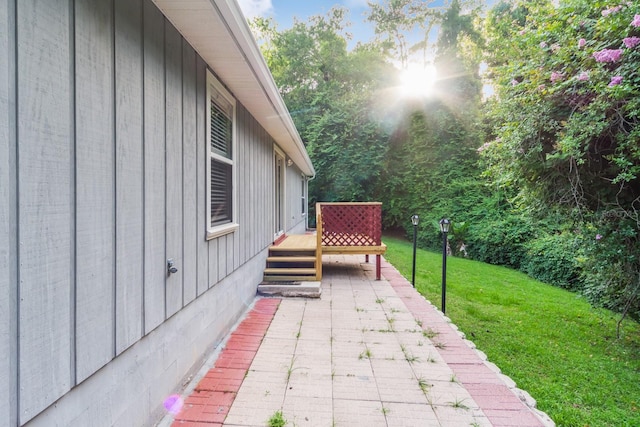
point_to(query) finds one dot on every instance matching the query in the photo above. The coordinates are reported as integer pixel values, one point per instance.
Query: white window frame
(304, 195)
(215, 90)
(279, 153)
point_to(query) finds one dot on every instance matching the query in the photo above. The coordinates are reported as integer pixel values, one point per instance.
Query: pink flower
(598, 236)
(611, 10)
(631, 42)
(615, 80)
(484, 146)
(636, 21)
(514, 82)
(555, 76)
(522, 32)
(583, 76)
(608, 55)
(582, 43)
(543, 45)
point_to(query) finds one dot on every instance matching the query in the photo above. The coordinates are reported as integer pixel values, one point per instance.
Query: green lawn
(551, 342)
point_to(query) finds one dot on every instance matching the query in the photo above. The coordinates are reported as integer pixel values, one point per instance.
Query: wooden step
(286, 271)
(292, 249)
(289, 278)
(291, 259)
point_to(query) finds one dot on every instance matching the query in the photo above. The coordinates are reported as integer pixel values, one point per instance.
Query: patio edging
(397, 281)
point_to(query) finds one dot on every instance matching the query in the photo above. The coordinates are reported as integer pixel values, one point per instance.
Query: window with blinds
(221, 166)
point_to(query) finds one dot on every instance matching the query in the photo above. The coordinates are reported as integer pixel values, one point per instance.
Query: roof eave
(218, 31)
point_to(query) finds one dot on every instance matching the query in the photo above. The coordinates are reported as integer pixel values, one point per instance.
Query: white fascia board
(219, 32)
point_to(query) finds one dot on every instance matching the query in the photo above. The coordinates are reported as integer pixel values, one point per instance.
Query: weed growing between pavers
(365, 355)
(458, 404)
(277, 420)
(429, 333)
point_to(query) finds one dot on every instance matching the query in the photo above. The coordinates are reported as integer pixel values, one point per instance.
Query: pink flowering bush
(608, 55)
(556, 76)
(570, 129)
(611, 10)
(631, 42)
(615, 81)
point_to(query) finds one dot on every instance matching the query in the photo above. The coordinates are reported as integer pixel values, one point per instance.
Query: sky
(283, 13)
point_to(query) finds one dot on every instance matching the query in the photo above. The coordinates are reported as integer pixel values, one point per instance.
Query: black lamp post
(415, 219)
(444, 228)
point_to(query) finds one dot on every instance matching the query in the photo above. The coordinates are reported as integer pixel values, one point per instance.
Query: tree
(395, 20)
(329, 91)
(566, 131)
(431, 167)
(458, 59)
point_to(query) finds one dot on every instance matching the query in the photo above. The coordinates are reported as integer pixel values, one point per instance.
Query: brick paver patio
(367, 353)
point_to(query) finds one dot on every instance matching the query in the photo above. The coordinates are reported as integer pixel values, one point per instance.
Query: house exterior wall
(102, 179)
(8, 275)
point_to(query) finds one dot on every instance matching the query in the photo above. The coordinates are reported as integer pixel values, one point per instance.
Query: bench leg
(378, 261)
(366, 258)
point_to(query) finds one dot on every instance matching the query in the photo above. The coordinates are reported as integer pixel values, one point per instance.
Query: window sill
(221, 230)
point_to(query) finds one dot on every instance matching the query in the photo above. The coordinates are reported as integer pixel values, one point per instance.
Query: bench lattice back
(354, 224)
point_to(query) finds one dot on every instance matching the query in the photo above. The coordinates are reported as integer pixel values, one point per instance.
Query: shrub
(501, 240)
(611, 267)
(553, 259)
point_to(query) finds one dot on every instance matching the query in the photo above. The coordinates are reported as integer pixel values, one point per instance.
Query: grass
(458, 404)
(366, 354)
(277, 420)
(550, 341)
(424, 385)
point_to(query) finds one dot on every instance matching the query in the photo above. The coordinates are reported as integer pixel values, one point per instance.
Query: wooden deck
(342, 228)
(303, 242)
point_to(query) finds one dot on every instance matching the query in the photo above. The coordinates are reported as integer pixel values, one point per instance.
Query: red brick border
(498, 402)
(210, 401)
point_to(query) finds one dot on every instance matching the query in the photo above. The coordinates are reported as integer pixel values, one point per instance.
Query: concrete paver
(367, 353)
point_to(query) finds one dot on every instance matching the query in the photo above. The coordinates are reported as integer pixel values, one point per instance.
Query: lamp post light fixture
(444, 228)
(415, 219)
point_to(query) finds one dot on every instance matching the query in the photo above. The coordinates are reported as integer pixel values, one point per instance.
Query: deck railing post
(318, 241)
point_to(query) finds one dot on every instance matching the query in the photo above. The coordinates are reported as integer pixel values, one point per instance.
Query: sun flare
(418, 81)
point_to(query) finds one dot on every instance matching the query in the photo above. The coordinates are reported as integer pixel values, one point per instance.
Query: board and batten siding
(8, 235)
(102, 179)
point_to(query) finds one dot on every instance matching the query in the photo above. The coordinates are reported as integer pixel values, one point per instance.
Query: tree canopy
(540, 175)
(565, 133)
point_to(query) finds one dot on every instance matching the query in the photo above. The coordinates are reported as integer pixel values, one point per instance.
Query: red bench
(350, 228)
